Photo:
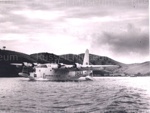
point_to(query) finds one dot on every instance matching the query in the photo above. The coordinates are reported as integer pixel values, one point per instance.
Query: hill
(72, 58)
(94, 59)
(7, 57)
(49, 58)
(129, 69)
(137, 68)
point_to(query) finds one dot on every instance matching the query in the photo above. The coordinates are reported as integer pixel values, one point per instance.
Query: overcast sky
(118, 29)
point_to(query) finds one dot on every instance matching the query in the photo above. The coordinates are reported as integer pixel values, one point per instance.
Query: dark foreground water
(104, 95)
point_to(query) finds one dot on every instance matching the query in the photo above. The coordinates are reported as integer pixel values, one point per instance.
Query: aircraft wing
(79, 67)
(97, 67)
(16, 64)
(24, 64)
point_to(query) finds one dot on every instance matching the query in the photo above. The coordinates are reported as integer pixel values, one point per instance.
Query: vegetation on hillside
(7, 57)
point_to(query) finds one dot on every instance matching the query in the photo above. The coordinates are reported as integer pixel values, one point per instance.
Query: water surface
(103, 95)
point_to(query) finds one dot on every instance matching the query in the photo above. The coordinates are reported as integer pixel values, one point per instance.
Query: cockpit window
(42, 66)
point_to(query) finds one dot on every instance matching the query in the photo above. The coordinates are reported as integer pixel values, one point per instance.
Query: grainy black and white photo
(74, 56)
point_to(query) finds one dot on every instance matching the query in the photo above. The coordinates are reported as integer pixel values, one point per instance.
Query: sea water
(103, 95)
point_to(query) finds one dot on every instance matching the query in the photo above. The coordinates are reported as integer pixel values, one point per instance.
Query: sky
(118, 29)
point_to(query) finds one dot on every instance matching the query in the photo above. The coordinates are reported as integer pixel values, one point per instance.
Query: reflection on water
(104, 95)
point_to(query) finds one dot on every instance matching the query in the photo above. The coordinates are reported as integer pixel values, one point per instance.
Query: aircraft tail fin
(86, 58)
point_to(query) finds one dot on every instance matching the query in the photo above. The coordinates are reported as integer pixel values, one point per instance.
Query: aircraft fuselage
(56, 75)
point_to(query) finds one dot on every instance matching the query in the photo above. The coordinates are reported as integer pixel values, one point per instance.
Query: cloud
(131, 41)
(41, 15)
(63, 26)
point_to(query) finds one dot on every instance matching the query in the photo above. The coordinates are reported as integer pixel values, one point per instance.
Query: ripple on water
(104, 95)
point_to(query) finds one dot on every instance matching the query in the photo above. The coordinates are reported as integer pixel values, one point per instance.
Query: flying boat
(60, 71)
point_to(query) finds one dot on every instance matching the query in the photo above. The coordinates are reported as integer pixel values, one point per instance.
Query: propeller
(24, 64)
(77, 65)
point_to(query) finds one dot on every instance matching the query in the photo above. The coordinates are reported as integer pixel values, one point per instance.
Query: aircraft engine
(27, 64)
(56, 66)
(61, 65)
(68, 66)
(76, 65)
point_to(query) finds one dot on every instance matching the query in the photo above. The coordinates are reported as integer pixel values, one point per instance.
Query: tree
(4, 47)
(139, 74)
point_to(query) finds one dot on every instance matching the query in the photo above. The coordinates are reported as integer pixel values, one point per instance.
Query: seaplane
(60, 71)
